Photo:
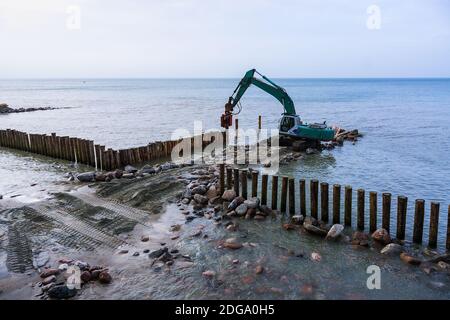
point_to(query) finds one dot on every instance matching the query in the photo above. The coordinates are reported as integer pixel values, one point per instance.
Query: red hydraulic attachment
(226, 120)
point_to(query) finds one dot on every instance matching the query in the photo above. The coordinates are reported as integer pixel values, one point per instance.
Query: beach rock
(443, 265)
(311, 151)
(266, 210)
(85, 276)
(297, 219)
(410, 259)
(95, 274)
(241, 209)
(47, 287)
(48, 280)
(235, 203)
(315, 256)
(63, 267)
(335, 232)
(310, 225)
(259, 269)
(158, 253)
(49, 272)
(209, 274)
(232, 243)
(252, 202)
(444, 258)
(130, 169)
(381, 235)
(229, 195)
(118, 174)
(145, 238)
(201, 189)
(61, 292)
(100, 177)
(86, 177)
(250, 213)
(187, 194)
(360, 238)
(211, 193)
(392, 248)
(104, 277)
(148, 170)
(289, 226)
(200, 199)
(259, 217)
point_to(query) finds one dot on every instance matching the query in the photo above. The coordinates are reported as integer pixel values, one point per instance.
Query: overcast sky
(223, 38)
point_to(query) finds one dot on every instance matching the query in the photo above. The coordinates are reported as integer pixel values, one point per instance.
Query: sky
(223, 38)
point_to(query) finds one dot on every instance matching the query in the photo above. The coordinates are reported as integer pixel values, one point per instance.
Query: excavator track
(117, 209)
(76, 231)
(19, 257)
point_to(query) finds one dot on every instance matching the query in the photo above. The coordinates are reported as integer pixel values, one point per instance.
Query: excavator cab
(288, 122)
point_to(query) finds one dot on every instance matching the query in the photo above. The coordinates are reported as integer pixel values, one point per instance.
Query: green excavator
(290, 123)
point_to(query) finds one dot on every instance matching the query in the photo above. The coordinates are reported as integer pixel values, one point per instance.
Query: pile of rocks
(129, 172)
(65, 281)
(5, 109)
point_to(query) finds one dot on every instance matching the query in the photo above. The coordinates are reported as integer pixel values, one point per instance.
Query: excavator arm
(268, 86)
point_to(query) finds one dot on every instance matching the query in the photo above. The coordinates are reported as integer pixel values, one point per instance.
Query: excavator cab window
(286, 124)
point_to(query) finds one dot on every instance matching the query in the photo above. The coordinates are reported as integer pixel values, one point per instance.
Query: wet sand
(103, 224)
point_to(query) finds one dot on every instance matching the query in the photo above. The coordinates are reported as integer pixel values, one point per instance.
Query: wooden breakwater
(367, 215)
(87, 152)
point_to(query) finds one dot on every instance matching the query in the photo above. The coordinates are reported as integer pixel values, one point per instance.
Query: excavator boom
(269, 86)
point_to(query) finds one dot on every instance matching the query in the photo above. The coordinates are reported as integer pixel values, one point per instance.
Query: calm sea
(405, 122)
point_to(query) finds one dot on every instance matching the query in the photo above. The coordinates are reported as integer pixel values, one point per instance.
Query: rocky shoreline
(4, 109)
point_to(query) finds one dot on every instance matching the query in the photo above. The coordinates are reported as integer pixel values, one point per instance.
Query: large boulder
(61, 292)
(252, 202)
(200, 199)
(212, 192)
(229, 195)
(86, 177)
(335, 232)
(311, 225)
(392, 249)
(241, 209)
(232, 243)
(235, 203)
(130, 169)
(201, 189)
(382, 235)
(4, 108)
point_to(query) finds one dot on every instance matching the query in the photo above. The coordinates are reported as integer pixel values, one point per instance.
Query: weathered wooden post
(419, 216)
(259, 122)
(291, 196)
(229, 178)
(244, 183)
(274, 192)
(361, 209)
(264, 189)
(373, 211)
(222, 178)
(434, 222)
(348, 206)
(336, 203)
(236, 181)
(324, 215)
(284, 185)
(386, 208)
(402, 205)
(255, 183)
(303, 197)
(448, 229)
(314, 197)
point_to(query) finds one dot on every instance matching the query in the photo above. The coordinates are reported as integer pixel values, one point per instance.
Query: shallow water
(341, 274)
(405, 122)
